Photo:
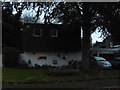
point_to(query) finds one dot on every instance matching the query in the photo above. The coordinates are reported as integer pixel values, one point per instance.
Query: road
(108, 83)
(0, 60)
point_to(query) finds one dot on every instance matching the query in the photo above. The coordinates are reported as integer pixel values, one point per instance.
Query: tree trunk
(86, 37)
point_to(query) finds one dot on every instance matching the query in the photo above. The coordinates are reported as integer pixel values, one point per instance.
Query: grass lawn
(0, 74)
(25, 75)
(9, 74)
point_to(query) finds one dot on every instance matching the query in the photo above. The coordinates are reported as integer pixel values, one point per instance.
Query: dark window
(37, 32)
(54, 33)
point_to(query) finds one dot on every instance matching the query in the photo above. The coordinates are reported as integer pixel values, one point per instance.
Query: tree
(85, 15)
(39, 8)
(111, 13)
(86, 36)
(10, 57)
(11, 25)
(106, 16)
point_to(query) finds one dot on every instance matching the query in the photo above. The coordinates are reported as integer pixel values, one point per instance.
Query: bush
(47, 66)
(22, 65)
(37, 66)
(10, 56)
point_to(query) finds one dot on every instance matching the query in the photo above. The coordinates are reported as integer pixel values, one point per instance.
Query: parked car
(101, 62)
(115, 63)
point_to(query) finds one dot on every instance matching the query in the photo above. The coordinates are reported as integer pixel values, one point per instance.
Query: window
(54, 33)
(55, 62)
(37, 32)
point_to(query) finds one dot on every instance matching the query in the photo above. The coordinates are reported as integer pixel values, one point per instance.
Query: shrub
(47, 66)
(37, 66)
(22, 64)
(10, 56)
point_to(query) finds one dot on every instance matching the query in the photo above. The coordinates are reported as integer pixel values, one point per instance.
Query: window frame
(35, 35)
(53, 33)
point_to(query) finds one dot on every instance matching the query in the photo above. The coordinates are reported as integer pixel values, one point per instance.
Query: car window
(100, 59)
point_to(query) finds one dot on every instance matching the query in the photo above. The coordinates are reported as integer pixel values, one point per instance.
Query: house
(107, 43)
(105, 49)
(51, 44)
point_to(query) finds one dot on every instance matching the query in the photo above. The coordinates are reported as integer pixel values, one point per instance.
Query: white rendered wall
(50, 56)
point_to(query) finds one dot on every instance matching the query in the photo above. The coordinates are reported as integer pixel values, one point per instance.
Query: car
(115, 62)
(101, 62)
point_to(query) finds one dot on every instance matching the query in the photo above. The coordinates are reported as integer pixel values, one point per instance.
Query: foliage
(111, 17)
(11, 27)
(46, 66)
(10, 56)
(37, 66)
(22, 65)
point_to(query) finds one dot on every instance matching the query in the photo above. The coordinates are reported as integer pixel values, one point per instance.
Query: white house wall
(50, 56)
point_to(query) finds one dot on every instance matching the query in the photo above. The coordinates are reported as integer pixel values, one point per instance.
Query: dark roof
(69, 38)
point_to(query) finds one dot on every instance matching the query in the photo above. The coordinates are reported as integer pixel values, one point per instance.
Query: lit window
(37, 32)
(53, 33)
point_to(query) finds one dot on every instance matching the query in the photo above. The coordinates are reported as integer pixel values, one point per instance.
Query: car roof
(99, 58)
